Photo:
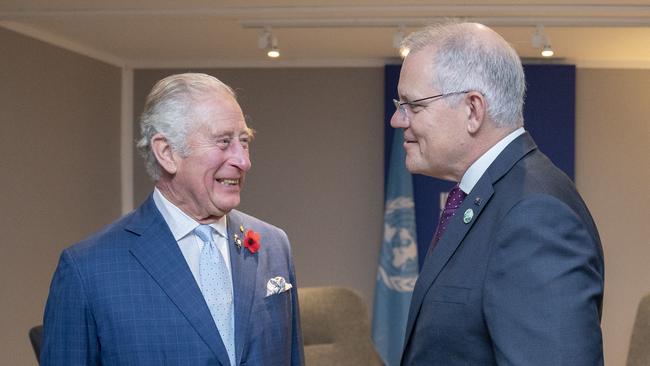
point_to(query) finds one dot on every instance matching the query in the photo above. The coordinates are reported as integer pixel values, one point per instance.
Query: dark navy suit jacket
(126, 296)
(521, 283)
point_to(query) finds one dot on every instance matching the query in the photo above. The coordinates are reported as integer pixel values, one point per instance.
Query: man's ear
(476, 110)
(163, 152)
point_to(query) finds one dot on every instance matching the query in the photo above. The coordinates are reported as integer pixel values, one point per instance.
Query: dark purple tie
(454, 200)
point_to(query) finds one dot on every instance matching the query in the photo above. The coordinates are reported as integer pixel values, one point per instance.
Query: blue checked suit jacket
(126, 296)
(521, 283)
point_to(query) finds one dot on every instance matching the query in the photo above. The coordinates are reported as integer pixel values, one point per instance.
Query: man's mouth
(228, 181)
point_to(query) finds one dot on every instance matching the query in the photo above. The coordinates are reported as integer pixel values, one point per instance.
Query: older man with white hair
(185, 279)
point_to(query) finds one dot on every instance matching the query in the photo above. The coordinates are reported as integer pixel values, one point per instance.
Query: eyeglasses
(401, 106)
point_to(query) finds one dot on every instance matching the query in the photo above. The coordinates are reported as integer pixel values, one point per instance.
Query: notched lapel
(244, 275)
(446, 247)
(454, 235)
(159, 254)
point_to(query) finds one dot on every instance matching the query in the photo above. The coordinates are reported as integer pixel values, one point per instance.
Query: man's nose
(398, 120)
(240, 157)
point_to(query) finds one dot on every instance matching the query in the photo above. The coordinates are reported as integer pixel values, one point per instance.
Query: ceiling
(211, 33)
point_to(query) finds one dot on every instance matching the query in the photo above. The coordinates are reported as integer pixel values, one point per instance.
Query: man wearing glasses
(514, 274)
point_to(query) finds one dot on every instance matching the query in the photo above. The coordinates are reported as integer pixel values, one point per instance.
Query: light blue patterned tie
(216, 286)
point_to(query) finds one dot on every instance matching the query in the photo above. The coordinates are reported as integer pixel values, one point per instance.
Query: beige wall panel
(59, 148)
(317, 164)
(613, 175)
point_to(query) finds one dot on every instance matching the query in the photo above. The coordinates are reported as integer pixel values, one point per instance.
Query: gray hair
(465, 60)
(168, 111)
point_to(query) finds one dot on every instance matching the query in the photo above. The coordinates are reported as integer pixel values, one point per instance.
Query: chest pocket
(450, 294)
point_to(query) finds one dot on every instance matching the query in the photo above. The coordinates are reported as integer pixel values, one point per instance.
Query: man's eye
(245, 141)
(223, 142)
(415, 108)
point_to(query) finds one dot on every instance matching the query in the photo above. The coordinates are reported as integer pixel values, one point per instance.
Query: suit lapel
(457, 229)
(244, 273)
(445, 249)
(159, 254)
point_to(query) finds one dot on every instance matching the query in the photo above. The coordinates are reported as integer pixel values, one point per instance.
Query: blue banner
(398, 259)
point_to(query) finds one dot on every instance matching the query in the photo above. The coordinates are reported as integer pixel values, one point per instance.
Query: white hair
(467, 60)
(168, 111)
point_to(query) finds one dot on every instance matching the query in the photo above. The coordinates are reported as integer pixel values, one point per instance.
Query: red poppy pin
(252, 241)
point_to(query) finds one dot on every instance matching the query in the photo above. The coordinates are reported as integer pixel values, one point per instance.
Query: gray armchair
(335, 328)
(639, 352)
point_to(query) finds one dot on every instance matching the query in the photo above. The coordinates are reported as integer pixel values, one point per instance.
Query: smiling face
(435, 134)
(206, 184)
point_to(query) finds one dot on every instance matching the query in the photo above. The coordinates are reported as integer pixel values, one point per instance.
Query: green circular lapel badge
(468, 215)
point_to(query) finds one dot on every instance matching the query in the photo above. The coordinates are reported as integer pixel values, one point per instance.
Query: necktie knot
(204, 232)
(455, 198)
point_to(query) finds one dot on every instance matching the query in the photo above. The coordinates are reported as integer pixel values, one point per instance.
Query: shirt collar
(478, 168)
(178, 221)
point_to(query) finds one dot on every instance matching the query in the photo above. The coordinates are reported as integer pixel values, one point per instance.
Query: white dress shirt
(182, 227)
(478, 168)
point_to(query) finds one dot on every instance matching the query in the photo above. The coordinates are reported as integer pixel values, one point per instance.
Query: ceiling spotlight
(541, 41)
(275, 52)
(269, 43)
(547, 51)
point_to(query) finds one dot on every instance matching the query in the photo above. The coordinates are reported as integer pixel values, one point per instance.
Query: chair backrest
(335, 327)
(36, 337)
(639, 352)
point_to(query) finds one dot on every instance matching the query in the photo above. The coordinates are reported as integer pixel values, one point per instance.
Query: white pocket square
(277, 285)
